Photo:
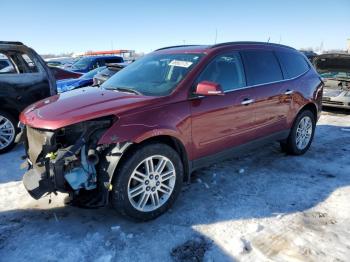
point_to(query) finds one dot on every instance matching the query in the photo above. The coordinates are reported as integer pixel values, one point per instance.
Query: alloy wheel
(304, 132)
(151, 183)
(7, 132)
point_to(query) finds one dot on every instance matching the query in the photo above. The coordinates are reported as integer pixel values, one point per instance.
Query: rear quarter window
(261, 67)
(293, 64)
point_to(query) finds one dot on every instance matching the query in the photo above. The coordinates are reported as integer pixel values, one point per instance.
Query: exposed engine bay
(70, 160)
(337, 84)
(335, 71)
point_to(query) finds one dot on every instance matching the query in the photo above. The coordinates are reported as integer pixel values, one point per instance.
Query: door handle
(247, 101)
(289, 92)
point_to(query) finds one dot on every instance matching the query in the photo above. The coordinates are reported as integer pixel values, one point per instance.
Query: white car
(335, 71)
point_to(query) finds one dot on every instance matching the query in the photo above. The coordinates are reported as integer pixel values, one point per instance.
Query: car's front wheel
(147, 182)
(8, 131)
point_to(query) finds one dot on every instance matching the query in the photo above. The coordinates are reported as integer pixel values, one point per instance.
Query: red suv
(134, 141)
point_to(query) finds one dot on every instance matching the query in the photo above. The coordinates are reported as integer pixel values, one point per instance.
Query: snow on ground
(260, 207)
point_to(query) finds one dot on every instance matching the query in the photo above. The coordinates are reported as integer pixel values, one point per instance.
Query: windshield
(154, 74)
(335, 74)
(92, 73)
(82, 63)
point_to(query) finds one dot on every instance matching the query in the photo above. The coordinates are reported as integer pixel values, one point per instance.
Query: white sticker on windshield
(180, 63)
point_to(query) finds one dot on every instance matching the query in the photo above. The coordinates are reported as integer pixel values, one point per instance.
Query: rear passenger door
(263, 72)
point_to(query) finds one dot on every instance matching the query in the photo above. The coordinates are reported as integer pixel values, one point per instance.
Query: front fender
(171, 120)
(137, 133)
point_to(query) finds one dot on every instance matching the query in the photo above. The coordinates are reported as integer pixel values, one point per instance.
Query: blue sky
(56, 26)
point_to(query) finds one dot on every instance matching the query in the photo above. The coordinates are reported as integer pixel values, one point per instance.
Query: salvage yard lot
(265, 205)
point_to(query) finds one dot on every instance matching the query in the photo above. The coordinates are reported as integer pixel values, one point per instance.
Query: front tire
(8, 131)
(301, 135)
(148, 182)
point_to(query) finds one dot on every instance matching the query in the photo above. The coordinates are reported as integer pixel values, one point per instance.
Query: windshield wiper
(126, 90)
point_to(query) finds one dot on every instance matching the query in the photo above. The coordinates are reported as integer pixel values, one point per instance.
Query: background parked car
(88, 63)
(61, 61)
(107, 72)
(335, 70)
(73, 83)
(28, 81)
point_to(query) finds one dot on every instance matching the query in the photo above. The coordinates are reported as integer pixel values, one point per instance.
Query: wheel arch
(311, 107)
(169, 140)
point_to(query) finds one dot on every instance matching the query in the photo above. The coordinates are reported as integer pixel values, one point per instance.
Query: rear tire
(301, 134)
(8, 131)
(147, 182)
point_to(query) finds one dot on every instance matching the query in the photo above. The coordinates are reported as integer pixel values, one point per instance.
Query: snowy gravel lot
(260, 207)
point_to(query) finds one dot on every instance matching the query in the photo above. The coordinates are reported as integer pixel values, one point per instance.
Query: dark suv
(24, 79)
(134, 141)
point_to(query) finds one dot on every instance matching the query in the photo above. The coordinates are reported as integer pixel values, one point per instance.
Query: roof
(202, 48)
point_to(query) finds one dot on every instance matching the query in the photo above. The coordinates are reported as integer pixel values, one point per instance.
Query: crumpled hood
(332, 62)
(79, 105)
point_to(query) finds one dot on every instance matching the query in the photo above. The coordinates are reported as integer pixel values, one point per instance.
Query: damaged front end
(68, 160)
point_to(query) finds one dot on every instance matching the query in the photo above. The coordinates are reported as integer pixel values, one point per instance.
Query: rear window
(261, 67)
(293, 64)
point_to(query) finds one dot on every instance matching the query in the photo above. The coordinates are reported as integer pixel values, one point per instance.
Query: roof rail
(174, 46)
(249, 43)
(11, 43)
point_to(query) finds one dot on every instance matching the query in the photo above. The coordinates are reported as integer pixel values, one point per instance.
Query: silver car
(335, 71)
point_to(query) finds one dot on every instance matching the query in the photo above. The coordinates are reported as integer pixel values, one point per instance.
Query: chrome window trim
(268, 83)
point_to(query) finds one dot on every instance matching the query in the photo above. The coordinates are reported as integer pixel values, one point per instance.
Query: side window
(101, 62)
(97, 64)
(31, 67)
(261, 67)
(293, 64)
(6, 66)
(226, 70)
(114, 60)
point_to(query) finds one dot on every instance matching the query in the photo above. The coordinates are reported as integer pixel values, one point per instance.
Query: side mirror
(207, 88)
